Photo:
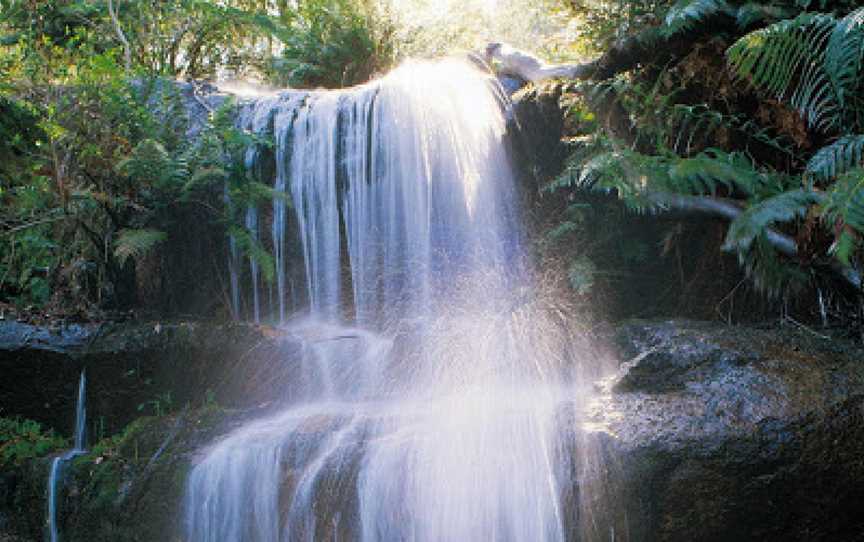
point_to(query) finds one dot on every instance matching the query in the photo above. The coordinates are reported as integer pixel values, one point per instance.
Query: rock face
(163, 390)
(707, 432)
(728, 433)
(135, 369)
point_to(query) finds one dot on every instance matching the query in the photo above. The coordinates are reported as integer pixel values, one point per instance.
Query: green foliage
(813, 61)
(253, 248)
(685, 14)
(22, 440)
(844, 210)
(333, 44)
(581, 275)
(162, 404)
(758, 217)
(832, 160)
(135, 243)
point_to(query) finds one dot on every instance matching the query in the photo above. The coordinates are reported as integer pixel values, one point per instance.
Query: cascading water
(55, 477)
(453, 420)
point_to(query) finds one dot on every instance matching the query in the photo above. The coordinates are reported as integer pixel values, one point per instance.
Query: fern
(757, 12)
(707, 171)
(837, 158)
(254, 250)
(150, 164)
(206, 176)
(844, 55)
(844, 208)
(135, 243)
(685, 14)
(756, 219)
(787, 60)
(770, 273)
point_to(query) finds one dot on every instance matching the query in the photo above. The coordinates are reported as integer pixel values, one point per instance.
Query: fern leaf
(758, 12)
(844, 55)
(837, 158)
(844, 207)
(755, 220)
(135, 243)
(685, 14)
(254, 250)
(771, 273)
(206, 176)
(705, 172)
(787, 60)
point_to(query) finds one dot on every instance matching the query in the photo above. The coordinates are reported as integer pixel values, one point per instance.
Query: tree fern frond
(148, 161)
(759, 12)
(206, 176)
(844, 55)
(150, 164)
(771, 273)
(135, 243)
(786, 59)
(837, 158)
(254, 250)
(686, 14)
(845, 200)
(708, 170)
(757, 218)
(626, 173)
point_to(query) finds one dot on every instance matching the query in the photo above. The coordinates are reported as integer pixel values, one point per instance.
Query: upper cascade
(405, 176)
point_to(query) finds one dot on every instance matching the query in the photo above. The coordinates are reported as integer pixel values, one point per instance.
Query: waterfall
(436, 396)
(55, 477)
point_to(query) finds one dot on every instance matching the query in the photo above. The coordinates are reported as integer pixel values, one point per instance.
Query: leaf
(757, 218)
(686, 14)
(787, 60)
(254, 250)
(135, 243)
(844, 208)
(844, 54)
(837, 158)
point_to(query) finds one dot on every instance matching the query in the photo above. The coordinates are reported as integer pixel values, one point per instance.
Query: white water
(444, 412)
(55, 477)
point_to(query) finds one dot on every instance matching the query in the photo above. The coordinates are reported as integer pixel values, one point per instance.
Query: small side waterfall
(55, 477)
(442, 407)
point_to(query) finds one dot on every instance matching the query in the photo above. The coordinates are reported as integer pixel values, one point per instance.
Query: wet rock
(136, 368)
(733, 433)
(537, 121)
(708, 433)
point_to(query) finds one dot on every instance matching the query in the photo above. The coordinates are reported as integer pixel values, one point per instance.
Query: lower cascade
(439, 387)
(55, 476)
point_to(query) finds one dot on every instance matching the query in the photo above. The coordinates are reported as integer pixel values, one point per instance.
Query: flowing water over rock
(55, 477)
(438, 389)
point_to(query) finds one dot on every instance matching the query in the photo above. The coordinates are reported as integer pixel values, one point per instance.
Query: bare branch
(127, 49)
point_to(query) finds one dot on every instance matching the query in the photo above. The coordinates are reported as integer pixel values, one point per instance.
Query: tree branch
(127, 49)
(648, 47)
(728, 210)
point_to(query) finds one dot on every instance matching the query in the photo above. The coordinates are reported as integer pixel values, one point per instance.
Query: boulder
(712, 432)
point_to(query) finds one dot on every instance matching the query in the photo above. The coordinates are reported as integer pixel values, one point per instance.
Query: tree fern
(254, 250)
(150, 164)
(757, 218)
(711, 169)
(135, 243)
(686, 14)
(788, 60)
(844, 209)
(844, 55)
(837, 158)
(771, 273)
(756, 12)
